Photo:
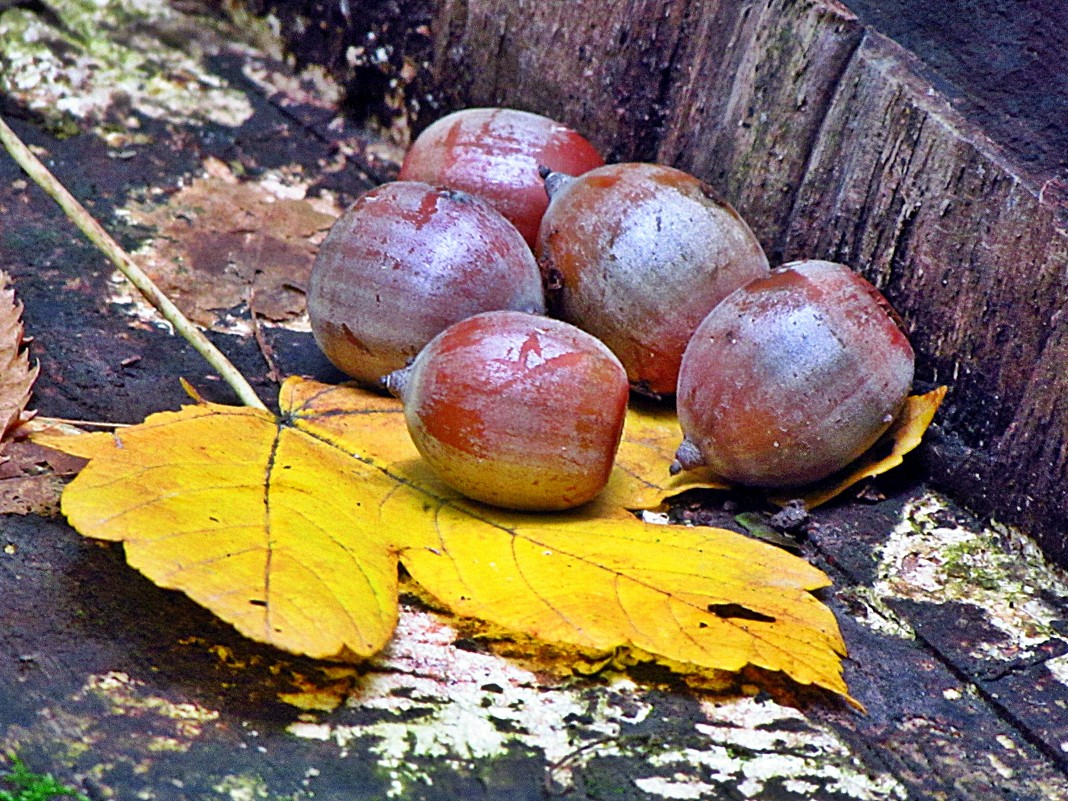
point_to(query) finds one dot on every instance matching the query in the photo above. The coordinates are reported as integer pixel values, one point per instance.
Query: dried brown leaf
(16, 374)
(218, 238)
(32, 478)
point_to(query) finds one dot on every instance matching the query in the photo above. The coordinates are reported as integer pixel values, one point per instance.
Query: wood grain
(124, 690)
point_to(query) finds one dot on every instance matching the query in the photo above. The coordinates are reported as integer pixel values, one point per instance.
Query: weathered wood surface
(1002, 65)
(956, 630)
(834, 144)
(973, 255)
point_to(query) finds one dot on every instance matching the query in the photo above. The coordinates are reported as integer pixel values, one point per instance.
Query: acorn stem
(396, 383)
(687, 457)
(554, 181)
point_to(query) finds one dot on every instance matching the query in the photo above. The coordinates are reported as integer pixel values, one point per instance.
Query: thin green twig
(110, 248)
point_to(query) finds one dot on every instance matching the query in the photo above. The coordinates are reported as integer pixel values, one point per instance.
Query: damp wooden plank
(980, 600)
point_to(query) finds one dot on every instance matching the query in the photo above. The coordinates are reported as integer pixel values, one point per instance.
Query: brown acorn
(638, 254)
(402, 264)
(516, 410)
(792, 377)
(495, 153)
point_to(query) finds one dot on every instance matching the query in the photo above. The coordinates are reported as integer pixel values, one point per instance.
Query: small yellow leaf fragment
(903, 437)
(319, 693)
(641, 479)
(652, 434)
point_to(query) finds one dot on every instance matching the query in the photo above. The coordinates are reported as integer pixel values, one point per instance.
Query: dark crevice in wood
(846, 550)
(899, 250)
(1006, 711)
(808, 147)
(323, 32)
(648, 145)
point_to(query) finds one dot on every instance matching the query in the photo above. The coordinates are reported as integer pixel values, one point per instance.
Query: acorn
(404, 262)
(638, 254)
(495, 153)
(516, 410)
(792, 377)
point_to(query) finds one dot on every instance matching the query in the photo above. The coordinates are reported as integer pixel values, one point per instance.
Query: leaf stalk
(92, 229)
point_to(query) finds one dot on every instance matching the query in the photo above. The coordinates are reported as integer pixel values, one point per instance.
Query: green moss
(977, 563)
(935, 557)
(100, 63)
(25, 785)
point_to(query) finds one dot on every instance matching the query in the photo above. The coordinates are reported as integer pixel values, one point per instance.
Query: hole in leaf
(739, 612)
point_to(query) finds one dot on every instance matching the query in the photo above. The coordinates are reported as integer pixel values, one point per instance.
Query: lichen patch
(242, 787)
(427, 697)
(931, 556)
(678, 786)
(115, 60)
(436, 700)
(749, 744)
(125, 698)
(1058, 666)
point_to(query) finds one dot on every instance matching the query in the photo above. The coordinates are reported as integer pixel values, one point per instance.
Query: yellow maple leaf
(290, 528)
(248, 516)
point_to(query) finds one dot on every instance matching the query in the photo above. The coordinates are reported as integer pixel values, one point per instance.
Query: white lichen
(678, 786)
(995, 569)
(749, 743)
(459, 706)
(118, 60)
(242, 787)
(439, 701)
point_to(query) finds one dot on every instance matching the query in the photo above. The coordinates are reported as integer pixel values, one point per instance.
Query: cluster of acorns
(437, 285)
